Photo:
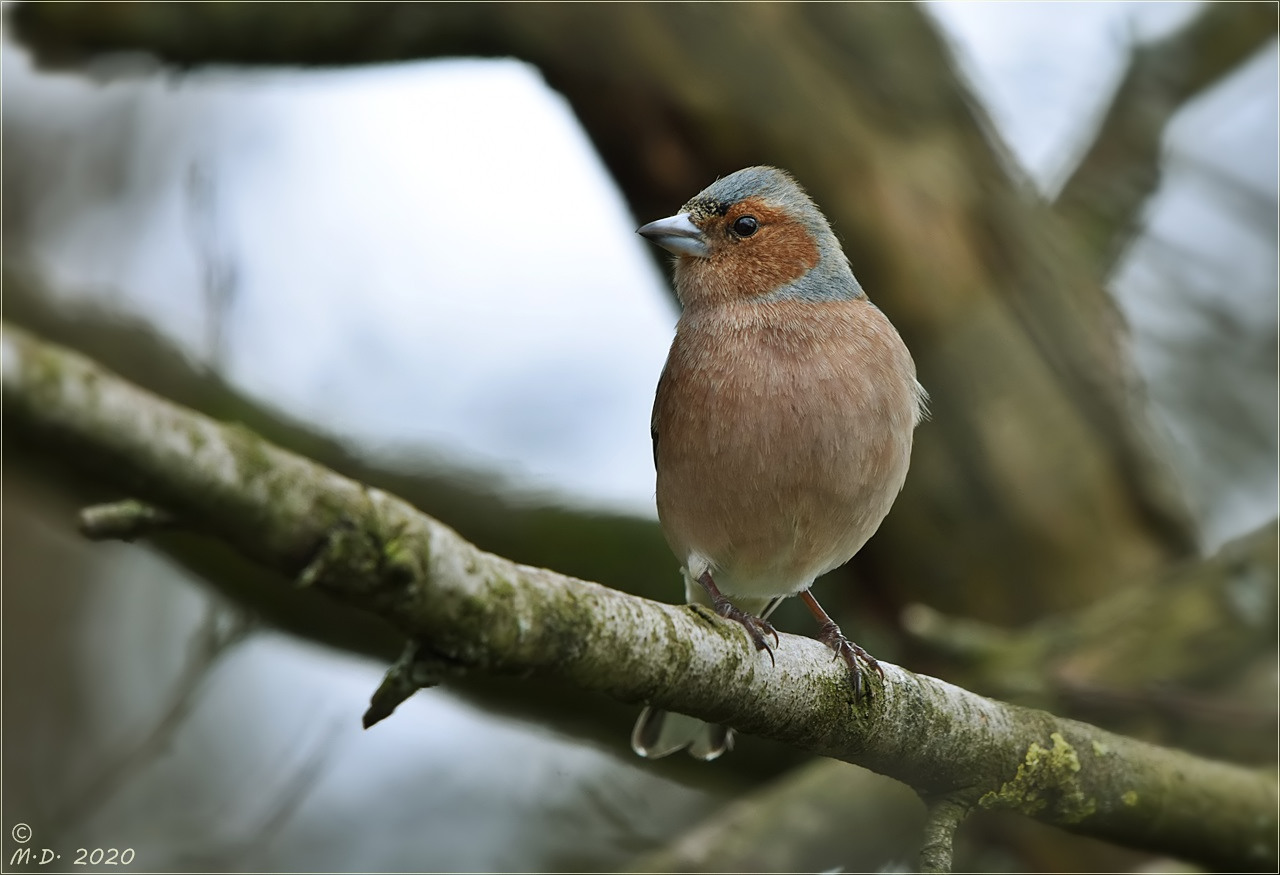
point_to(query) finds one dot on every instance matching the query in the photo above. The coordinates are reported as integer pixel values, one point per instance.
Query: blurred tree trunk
(1034, 486)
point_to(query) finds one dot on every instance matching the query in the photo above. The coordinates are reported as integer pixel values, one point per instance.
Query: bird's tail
(660, 733)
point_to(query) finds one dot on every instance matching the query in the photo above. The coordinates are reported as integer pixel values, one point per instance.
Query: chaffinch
(783, 418)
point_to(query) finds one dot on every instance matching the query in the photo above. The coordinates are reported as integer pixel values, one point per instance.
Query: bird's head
(754, 234)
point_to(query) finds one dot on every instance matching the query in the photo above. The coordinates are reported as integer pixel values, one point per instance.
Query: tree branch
(1198, 623)
(1103, 198)
(625, 552)
(473, 611)
(122, 521)
(1149, 650)
(946, 813)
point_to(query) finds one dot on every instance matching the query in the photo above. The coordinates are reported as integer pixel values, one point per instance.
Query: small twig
(282, 802)
(125, 520)
(945, 816)
(967, 639)
(417, 668)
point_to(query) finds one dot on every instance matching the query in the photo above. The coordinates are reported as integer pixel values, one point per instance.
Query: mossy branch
(468, 610)
(1173, 648)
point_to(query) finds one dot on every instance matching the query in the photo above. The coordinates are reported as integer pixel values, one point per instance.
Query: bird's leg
(829, 634)
(756, 627)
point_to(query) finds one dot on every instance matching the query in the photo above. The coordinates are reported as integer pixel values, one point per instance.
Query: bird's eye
(745, 226)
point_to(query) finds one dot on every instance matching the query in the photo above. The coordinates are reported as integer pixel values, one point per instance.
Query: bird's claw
(757, 628)
(852, 654)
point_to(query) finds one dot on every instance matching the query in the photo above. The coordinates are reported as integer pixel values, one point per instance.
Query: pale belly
(768, 533)
(771, 476)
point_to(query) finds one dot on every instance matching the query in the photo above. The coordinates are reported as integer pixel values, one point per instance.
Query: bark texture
(472, 611)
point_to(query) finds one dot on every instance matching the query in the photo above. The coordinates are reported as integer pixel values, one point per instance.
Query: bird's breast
(783, 435)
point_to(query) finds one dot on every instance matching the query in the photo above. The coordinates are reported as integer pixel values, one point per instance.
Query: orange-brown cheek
(783, 256)
(781, 252)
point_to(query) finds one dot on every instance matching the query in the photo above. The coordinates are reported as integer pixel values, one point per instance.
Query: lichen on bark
(1046, 776)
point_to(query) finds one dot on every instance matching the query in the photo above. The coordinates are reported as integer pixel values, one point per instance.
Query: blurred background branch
(221, 630)
(1104, 198)
(1178, 658)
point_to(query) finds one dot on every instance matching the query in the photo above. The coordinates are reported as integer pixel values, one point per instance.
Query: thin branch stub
(946, 813)
(125, 520)
(417, 668)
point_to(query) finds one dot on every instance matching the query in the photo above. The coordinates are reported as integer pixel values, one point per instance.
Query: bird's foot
(757, 627)
(852, 654)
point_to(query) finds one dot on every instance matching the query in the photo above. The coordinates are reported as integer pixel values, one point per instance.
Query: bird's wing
(653, 418)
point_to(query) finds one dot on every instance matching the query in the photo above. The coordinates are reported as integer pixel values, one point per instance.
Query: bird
(782, 423)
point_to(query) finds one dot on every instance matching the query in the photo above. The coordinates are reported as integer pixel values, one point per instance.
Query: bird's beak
(677, 234)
